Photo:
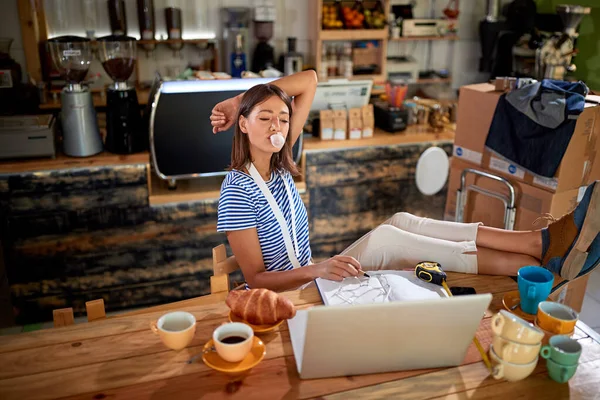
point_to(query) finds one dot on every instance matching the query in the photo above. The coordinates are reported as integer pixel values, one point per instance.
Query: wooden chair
(222, 267)
(64, 316)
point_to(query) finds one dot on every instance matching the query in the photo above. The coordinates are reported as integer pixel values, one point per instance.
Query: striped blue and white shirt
(242, 205)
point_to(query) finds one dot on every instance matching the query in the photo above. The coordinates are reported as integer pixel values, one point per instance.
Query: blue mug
(535, 284)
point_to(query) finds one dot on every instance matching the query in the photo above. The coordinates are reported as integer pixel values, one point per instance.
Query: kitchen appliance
(402, 69)
(147, 23)
(553, 58)
(117, 17)
(428, 27)
(124, 133)
(10, 77)
(292, 60)
(27, 136)
(264, 54)
(182, 143)
(235, 23)
(390, 119)
(72, 56)
(174, 29)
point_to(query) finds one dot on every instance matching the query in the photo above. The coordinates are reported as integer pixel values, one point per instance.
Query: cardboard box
(476, 107)
(340, 125)
(572, 293)
(365, 56)
(326, 124)
(530, 202)
(355, 123)
(368, 120)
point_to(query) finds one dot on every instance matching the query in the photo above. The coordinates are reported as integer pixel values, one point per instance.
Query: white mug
(175, 329)
(234, 351)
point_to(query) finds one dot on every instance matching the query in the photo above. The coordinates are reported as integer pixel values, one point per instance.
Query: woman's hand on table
(337, 268)
(224, 113)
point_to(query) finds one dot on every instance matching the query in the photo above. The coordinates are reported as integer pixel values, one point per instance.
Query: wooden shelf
(189, 190)
(63, 161)
(353, 34)
(376, 78)
(412, 134)
(417, 38)
(434, 80)
(173, 41)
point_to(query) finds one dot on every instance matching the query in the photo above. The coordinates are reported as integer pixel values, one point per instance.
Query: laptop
(331, 341)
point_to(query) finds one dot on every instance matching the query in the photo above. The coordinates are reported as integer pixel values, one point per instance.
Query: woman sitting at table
(267, 226)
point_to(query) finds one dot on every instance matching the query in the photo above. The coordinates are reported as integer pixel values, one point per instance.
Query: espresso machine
(553, 58)
(124, 132)
(72, 56)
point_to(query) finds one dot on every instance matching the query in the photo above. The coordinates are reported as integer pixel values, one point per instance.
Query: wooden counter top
(63, 161)
(413, 134)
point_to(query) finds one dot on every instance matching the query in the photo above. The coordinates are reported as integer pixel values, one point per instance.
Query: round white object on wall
(432, 171)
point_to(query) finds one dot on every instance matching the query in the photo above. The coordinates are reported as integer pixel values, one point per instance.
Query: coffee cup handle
(503, 350)
(498, 371)
(531, 291)
(564, 374)
(154, 327)
(497, 323)
(545, 352)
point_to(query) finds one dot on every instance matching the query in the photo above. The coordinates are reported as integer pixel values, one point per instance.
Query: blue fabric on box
(533, 125)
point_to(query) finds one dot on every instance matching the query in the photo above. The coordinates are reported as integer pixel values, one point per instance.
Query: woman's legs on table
(523, 242)
(498, 262)
(404, 240)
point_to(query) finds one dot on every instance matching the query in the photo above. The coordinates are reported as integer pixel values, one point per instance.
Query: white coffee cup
(175, 329)
(233, 352)
(510, 371)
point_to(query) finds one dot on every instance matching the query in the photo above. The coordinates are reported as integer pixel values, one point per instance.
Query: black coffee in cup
(233, 339)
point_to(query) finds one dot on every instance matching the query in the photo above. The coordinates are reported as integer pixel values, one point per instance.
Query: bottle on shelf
(332, 64)
(238, 58)
(323, 71)
(117, 17)
(347, 60)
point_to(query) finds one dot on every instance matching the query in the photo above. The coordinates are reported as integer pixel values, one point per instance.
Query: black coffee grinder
(124, 132)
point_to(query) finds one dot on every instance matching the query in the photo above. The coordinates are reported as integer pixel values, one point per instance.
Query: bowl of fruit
(375, 16)
(332, 16)
(354, 17)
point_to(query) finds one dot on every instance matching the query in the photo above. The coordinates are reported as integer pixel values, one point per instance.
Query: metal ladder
(509, 207)
(462, 195)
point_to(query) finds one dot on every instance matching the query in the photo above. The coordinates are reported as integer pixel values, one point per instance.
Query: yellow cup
(556, 318)
(175, 329)
(511, 327)
(515, 352)
(510, 371)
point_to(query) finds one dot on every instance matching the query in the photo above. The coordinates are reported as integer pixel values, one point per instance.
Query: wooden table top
(121, 358)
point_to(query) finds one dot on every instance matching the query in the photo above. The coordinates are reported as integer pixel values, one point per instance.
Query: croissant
(260, 306)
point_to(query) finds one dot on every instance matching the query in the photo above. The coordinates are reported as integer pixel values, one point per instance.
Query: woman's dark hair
(240, 151)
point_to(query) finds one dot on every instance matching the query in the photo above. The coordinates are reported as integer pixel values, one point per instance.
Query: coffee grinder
(264, 54)
(124, 133)
(554, 57)
(72, 56)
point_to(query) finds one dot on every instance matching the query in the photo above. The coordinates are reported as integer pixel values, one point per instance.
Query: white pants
(405, 240)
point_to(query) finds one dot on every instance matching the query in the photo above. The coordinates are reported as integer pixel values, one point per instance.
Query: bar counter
(74, 230)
